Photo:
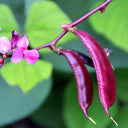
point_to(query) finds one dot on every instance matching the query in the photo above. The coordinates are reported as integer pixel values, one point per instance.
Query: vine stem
(52, 44)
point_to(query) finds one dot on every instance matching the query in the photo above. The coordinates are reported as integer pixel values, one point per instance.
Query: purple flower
(30, 56)
(5, 45)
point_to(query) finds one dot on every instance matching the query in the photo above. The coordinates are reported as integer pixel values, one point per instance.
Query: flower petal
(23, 43)
(15, 38)
(17, 55)
(31, 56)
(5, 45)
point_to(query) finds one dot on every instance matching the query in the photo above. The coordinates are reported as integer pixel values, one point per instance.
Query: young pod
(104, 71)
(83, 80)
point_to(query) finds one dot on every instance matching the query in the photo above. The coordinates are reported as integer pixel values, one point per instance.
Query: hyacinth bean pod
(86, 60)
(104, 71)
(83, 80)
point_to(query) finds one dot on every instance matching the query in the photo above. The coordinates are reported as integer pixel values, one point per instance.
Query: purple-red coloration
(23, 43)
(31, 56)
(86, 60)
(104, 71)
(1, 62)
(83, 80)
(17, 55)
(15, 38)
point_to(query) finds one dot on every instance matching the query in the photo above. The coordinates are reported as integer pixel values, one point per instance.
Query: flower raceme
(104, 71)
(19, 48)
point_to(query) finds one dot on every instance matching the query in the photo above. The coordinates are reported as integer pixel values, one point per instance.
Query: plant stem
(52, 44)
(101, 7)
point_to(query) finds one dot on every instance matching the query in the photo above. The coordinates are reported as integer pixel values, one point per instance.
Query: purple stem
(52, 44)
(101, 7)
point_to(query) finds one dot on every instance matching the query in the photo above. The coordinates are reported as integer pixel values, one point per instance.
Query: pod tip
(114, 121)
(92, 120)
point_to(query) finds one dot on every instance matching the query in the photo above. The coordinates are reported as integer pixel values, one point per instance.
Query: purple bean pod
(104, 71)
(83, 80)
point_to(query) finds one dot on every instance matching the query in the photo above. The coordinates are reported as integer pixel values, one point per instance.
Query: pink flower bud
(15, 38)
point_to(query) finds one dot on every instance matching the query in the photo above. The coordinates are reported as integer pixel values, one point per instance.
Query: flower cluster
(19, 47)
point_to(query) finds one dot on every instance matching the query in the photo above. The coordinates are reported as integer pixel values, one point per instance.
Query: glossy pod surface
(104, 71)
(83, 80)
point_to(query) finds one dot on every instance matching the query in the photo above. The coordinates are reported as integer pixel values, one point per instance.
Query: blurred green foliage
(26, 76)
(40, 20)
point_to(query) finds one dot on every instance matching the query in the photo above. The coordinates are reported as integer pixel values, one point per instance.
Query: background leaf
(50, 113)
(28, 4)
(121, 76)
(43, 23)
(7, 21)
(26, 76)
(122, 117)
(15, 105)
(112, 24)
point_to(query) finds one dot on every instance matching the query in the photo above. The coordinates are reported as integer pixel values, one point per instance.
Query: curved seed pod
(86, 60)
(83, 80)
(104, 71)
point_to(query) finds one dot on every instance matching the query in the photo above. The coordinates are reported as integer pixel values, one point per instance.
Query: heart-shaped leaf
(26, 76)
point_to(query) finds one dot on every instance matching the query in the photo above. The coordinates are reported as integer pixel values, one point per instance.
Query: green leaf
(43, 23)
(50, 113)
(121, 76)
(26, 76)
(45, 115)
(7, 21)
(15, 105)
(74, 117)
(113, 22)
